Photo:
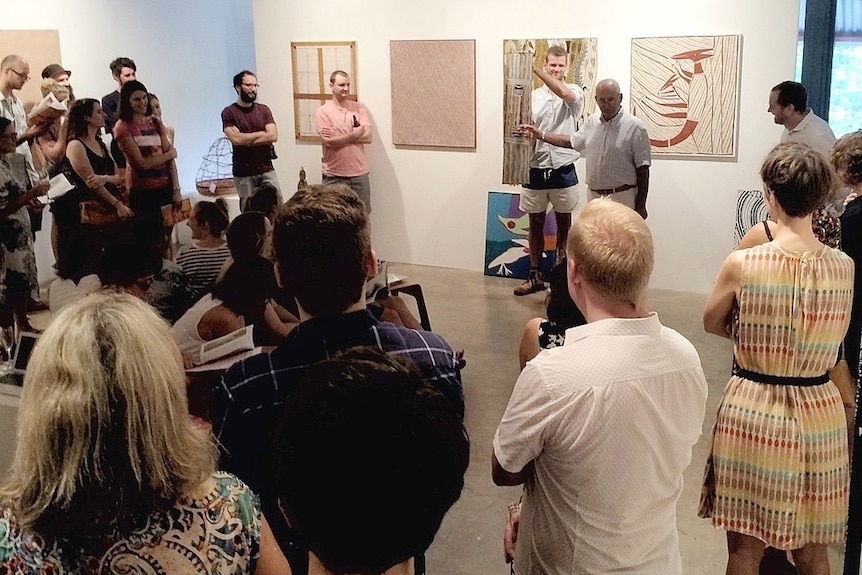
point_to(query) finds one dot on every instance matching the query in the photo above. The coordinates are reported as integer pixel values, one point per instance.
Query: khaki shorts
(564, 200)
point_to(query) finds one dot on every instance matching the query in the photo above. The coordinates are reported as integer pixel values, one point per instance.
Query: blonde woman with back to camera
(110, 473)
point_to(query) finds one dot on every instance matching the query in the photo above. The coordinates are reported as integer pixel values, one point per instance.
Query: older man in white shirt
(616, 146)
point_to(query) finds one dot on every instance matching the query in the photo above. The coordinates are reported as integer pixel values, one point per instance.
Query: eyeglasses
(20, 75)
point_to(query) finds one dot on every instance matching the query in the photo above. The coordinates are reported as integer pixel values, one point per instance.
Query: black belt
(780, 379)
(610, 191)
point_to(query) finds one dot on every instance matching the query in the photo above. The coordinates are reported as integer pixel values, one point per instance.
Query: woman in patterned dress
(17, 256)
(111, 474)
(778, 469)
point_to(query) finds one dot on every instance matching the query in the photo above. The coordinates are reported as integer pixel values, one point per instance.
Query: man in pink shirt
(344, 128)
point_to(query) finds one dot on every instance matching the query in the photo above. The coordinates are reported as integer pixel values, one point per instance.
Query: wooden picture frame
(312, 64)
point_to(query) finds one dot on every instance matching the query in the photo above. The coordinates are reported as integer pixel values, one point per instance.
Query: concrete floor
(480, 315)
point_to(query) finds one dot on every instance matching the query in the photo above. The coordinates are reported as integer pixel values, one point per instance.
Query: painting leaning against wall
(519, 57)
(686, 91)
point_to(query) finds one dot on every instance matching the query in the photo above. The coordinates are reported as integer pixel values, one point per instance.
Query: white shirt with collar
(13, 109)
(614, 149)
(552, 115)
(812, 130)
(609, 420)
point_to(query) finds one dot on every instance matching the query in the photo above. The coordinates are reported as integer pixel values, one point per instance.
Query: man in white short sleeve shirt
(556, 107)
(600, 430)
(617, 150)
(788, 104)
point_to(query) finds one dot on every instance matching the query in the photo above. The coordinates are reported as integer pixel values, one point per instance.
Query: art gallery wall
(430, 205)
(186, 52)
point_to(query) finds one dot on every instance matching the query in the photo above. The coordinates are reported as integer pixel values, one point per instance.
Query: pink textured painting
(433, 93)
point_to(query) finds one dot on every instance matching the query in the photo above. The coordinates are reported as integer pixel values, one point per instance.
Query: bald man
(14, 73)
(617, 148)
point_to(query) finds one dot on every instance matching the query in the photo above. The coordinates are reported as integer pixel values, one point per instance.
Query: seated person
(128, 268)
(110, 473)
(365, 410)
(249, 237)
(264, 200)
(562, 314)
(202, 260)
(169, 292)
(242, 297)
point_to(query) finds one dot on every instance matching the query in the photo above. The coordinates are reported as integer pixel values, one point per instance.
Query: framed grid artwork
(313, 62)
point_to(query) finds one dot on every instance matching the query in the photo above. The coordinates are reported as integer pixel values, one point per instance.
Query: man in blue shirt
(322, 244)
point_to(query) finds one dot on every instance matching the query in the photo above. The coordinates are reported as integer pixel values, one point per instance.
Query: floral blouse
(211, 532)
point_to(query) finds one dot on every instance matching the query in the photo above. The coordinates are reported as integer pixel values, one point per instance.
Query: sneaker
(533, 284)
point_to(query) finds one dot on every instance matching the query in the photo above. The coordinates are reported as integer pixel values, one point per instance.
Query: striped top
(794, 308)
(201, 266)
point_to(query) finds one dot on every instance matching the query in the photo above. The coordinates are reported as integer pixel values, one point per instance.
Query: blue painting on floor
(507, 253)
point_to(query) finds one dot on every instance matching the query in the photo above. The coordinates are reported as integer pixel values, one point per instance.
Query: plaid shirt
(251, 391)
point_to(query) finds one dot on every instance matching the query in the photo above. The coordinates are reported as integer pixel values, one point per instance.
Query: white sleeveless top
(185, 329)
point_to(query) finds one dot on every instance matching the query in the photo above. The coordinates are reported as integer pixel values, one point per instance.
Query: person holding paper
(91, 170)
(17, 257)
(243, 296)
(50, 146)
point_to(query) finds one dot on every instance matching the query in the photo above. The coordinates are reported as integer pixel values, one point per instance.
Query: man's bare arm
(556, 86)
(559, 140)
(642, 177)
(261, 138)
(503, 478)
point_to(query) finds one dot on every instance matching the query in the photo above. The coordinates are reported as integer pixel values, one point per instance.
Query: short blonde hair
(847, 157)
(104, 434)
(613, 248)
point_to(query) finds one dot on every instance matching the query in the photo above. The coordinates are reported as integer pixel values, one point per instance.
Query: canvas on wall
(39, 48)
(686, 91)
(750, 210)
(507, 253)
(313, 63)
(519, 59)
(433, 93)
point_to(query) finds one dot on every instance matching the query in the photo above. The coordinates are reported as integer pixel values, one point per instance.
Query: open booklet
(60, 184)
(234, 342)
(46, 111)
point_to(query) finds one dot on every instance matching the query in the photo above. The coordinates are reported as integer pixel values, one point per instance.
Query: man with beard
(788, 103)
(251, 130)
(123, 70)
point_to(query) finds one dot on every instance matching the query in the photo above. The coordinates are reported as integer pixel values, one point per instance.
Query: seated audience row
(112, 474)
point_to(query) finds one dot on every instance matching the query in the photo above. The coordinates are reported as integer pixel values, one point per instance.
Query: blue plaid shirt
(251, 391)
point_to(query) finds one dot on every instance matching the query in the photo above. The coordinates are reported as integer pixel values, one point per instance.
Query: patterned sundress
(17, 254)
(778, 466)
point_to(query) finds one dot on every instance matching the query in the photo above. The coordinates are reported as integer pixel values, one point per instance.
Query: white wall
(186, 52)
(429, 206)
